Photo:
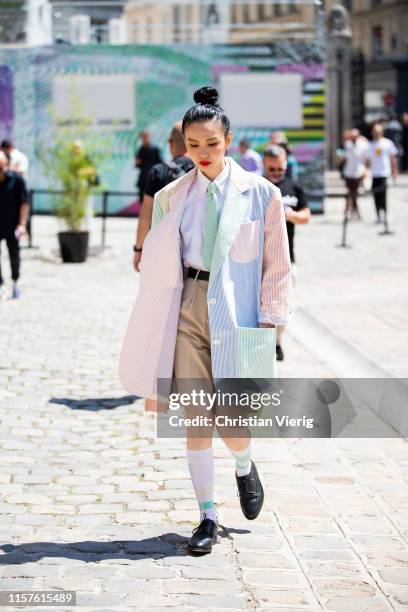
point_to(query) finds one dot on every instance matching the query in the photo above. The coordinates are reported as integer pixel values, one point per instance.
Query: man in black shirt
(14, 210)
(147, 156)
(159, 176)
(297, 211)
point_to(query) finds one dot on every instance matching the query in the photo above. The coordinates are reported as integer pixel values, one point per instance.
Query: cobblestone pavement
(91, 501)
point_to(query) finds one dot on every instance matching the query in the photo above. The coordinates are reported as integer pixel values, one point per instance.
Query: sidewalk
(93, 502)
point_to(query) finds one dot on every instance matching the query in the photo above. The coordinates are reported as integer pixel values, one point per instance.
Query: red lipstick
(205, 163)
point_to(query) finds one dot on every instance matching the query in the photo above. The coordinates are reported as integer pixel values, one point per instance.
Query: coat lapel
(234, 210)
(177, 195)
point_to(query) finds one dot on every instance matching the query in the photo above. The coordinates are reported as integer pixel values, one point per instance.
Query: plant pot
(73, 246)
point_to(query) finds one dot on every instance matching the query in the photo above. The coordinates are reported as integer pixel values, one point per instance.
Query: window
(148, 30)
(277, 9)
(377, 41)
(293, 7)
(234, 13)
(261, 11)
(176, 22)
(188, 18)
(247, 15)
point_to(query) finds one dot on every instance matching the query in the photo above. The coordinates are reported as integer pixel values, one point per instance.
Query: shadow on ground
(95, 403)
(166, 545)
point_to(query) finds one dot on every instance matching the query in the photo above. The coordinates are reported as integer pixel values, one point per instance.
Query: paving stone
(328, 555)
(301, 510)
(347, 604)
(399, 594)
(258, 543)
(214, 602)
(148, 600)
(16, 584)
(367, 543)
(335, 569)
(371, 527)
(311, 526)
(387, 559)
(154, 572)
(395, 575)
(28, 498)
(134, 518)
(320, 543)
(288, 598)
(84, 599)
(274, 579)
(267, 560)
(126, 586)
(6, 508)
(100, 508)
(208, 573)
(341, 587)
(54, 509)
(35, 519)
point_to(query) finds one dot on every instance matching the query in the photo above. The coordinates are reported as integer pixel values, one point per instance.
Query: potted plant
(78, 179)
(70, 160)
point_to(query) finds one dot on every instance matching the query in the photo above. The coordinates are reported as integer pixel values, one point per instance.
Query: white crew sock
(242, 460)
(201, 466)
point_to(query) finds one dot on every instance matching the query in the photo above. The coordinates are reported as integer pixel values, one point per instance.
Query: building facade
(380, 31)
(239, 22)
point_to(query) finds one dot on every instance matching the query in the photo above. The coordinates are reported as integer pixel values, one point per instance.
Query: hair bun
(206, 95)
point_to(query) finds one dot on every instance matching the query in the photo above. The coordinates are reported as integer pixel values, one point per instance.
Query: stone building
(380, 31)
(225, 21)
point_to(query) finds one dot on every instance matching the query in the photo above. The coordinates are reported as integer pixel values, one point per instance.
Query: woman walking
(215, 275)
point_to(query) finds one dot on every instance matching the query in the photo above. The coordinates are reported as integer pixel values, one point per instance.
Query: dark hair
(6, 144)
(206, 109)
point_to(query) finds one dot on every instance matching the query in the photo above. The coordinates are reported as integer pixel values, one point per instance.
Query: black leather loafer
(204, 536)
(279, 353)
(251, 493)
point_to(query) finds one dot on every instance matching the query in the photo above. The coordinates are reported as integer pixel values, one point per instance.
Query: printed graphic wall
(129, 88)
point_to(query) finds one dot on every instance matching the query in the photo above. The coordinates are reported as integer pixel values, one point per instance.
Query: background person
(382, 159)
(14, 210)
(159, 176)
(394, 132)
(147, 156)
(404, 123)
(297, 212)
(279, 138)
(249, 159)
(355, 149)
(18, 161)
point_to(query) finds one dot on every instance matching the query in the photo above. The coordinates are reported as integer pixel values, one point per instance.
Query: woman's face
(206, 145)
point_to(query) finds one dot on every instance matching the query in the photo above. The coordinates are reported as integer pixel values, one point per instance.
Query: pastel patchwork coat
(249, 275)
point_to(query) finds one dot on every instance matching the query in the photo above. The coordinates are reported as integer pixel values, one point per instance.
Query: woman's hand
(136, 261)
(21, 230)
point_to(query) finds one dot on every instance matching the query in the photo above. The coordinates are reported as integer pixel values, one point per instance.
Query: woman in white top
(355, 155)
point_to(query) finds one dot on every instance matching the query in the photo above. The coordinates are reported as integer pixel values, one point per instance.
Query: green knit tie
(210, 225)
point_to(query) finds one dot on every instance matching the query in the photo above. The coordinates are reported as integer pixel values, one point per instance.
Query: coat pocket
(255, 352)
(245, 247)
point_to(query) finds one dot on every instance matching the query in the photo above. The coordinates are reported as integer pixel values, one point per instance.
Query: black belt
(198, 274)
